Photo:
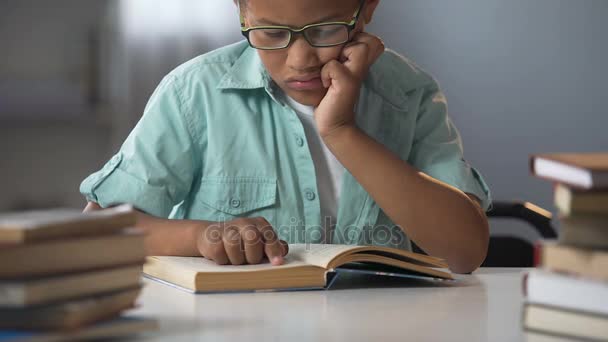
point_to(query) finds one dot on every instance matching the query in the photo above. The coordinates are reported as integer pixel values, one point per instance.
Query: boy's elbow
(474, 252)
(467, 265)
(91, 206)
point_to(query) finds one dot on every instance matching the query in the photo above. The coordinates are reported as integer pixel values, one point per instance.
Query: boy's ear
(369, 9)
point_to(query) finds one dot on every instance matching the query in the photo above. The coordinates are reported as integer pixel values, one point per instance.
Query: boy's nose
(302, 56)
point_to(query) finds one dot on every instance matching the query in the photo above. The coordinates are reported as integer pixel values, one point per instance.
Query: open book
(307, 266)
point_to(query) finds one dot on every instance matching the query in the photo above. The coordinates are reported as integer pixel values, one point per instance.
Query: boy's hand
(344, 78)
(242, 241)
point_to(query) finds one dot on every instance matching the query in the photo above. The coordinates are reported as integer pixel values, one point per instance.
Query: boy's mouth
(307, 82)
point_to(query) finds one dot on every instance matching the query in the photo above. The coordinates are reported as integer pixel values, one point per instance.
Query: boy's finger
(374, 42)
(285, 246)
(217, 253)
(369, 39)
(254, 244)
(272, 245)
(233, 245)
(375, 46)
(325, 75)
(334, 70)
(356, 56)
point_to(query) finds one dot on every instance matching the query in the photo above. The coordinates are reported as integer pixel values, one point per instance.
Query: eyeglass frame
(245, 31)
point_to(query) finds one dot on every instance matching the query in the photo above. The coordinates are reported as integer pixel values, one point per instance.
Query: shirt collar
(247, 72)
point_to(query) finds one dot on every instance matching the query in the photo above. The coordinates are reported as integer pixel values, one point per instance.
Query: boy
(254, 143)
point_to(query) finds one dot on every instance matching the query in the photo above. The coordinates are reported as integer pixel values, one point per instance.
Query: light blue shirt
(216, 143)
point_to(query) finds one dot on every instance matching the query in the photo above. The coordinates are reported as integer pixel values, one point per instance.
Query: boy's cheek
(331, 54)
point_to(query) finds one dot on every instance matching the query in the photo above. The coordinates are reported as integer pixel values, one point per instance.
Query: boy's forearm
(167, 237)
(171, 237)
(442, 220)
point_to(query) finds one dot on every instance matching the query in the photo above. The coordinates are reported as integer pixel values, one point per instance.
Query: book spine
(524, 284)
(538, 254)
(581, 262)
(531, 162)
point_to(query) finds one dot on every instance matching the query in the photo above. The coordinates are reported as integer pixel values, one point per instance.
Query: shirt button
(235, 203)
(310, 195)
(300, 141)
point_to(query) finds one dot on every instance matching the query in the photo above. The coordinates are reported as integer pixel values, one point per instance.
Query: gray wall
(44, 157)
(521, 76)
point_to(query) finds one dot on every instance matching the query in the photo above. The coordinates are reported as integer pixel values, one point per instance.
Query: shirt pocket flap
(238, 195)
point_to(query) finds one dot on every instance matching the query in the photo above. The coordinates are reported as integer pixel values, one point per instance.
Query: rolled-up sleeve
(438, 152)
(155, 167)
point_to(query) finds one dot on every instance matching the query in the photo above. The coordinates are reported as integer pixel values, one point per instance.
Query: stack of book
(61, 270)
(568, 294)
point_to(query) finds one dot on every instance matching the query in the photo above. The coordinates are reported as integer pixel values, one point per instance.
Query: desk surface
(485, 306)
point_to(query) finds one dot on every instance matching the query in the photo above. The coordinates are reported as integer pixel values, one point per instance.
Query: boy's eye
(326, 30)
(269, 38)
(327, 34)
(276, 34)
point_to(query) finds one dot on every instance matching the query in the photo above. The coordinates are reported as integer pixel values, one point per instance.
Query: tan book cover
(307, 266)
(56, 257)
(581, 170)
(33, 226)
(587, 231)
(565, 323)
(46, 290)
(69, 315)
(587, 263)
(572, 201)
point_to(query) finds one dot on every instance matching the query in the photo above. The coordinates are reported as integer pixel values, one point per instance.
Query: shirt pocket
(232, 197)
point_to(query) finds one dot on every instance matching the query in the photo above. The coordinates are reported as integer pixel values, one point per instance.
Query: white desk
(485, 306)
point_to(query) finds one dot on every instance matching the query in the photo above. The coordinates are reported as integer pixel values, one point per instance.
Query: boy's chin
(308, 98)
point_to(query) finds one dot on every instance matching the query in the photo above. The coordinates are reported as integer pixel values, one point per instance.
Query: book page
(324, 255)
(318, 254)
(299, 255)
(202, 265)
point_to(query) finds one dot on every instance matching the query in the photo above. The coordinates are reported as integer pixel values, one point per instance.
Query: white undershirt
(328, 169)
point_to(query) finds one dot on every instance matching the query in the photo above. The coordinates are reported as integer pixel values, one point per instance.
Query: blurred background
(521, 77)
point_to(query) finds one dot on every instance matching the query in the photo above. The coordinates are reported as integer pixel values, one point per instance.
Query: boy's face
(296, 69)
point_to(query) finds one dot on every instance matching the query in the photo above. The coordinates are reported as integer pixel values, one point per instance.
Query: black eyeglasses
(317, 35)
